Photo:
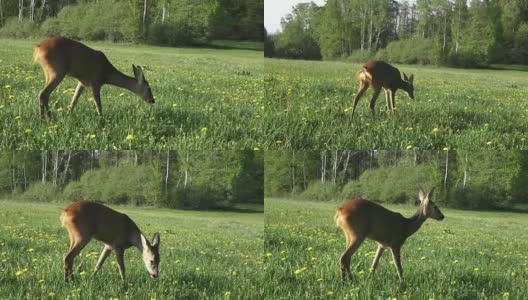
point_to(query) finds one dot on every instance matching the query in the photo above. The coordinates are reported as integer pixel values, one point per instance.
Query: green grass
(468, 255)
(204, 255)
(471, 109)
(205, 98)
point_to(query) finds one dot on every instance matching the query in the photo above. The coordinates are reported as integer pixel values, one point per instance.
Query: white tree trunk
(20, 9)
(167, 171)
(446, 167)
(144, 12)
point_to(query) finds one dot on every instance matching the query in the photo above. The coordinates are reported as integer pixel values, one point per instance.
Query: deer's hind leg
(78, 241)
(53, 78)
(363, 86)
(377, 90)
(353, 243)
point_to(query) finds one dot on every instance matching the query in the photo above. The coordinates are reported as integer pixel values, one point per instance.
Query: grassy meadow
(204, 255)
(452, 108)
(468, 255)
(205, 98)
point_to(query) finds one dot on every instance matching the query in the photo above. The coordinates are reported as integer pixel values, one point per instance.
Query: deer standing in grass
(60, 56)
(380, 74)
(85, 220)
(360, 219)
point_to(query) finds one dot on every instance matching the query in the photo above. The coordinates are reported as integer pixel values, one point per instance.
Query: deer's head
(429, 209)
(143, 87)
(408, 85)
(151, 256)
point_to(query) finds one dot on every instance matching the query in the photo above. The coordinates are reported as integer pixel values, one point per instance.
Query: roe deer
(85, 220)
(380, 74)
(360, 219)
(60, 56)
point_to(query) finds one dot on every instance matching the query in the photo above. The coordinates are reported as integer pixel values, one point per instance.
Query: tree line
(442, 32)
(463, 179)
(168, 22)
(179, 179)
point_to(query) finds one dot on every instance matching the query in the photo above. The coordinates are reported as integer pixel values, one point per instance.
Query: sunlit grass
(204, 255)
(453, 108)
(195, 89)
(469, 255)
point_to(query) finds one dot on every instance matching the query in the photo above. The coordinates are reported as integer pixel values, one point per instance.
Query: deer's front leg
(104, 254)
(397, 262)
(120, 253)
(78, 90)
(97, 99)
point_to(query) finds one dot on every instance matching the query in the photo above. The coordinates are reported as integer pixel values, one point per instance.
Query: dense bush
(360, 56)
(41, 192)
(14, 28)
(136, 185)
(320, 191)
(394, 184)
(104, 20)
(411, 51)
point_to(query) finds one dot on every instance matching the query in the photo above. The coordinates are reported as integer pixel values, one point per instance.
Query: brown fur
(362, 219)
(60, 56)
(379, 74)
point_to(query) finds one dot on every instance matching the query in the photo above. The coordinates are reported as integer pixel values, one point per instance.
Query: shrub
(360, 56)
(41, 192)
(14, 28)
(319, 191)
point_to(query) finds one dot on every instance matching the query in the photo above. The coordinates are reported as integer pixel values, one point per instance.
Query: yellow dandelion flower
(82, 273)
(203, 130)
(522, 139)
(297, 272)
(59, 109)
(488, 143)
(256, 148)
(409, 147)
(505, 295)
(28, 130)
(197, 269)
(227, 293)
(319, 279)
(330, 293)
(279, 142)
(51, 294)
(7, 86)
(18, 117)
(130, 137)
(269, 254)
(19, 273)
(121, 94)
(309, 248)
(445, 148)
(41, 281)
(92, 136)
(435, 130)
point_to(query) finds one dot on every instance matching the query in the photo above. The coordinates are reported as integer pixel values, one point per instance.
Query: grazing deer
(60, 56)
(360, 219)
(380, 74)
(85, 220)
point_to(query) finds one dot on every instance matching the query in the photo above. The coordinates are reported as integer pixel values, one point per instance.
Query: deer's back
(383, 73)
(75, 59)
(100, 222)
(373, 221)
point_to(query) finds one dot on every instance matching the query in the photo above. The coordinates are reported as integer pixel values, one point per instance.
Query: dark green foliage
(186, 179)
(439, 32)
(41, 192)
(472, 180)
(13, 28)
(320, 191)
(167, 22)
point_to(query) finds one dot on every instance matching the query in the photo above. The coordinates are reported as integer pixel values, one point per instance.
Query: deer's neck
(138, 241)
(415, 222)
(123, 81)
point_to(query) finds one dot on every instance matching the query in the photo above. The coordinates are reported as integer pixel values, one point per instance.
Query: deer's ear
(405, 77)
(430, 193)
(138, 73)
(156, 240)
(411, 78)
(421, 195)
